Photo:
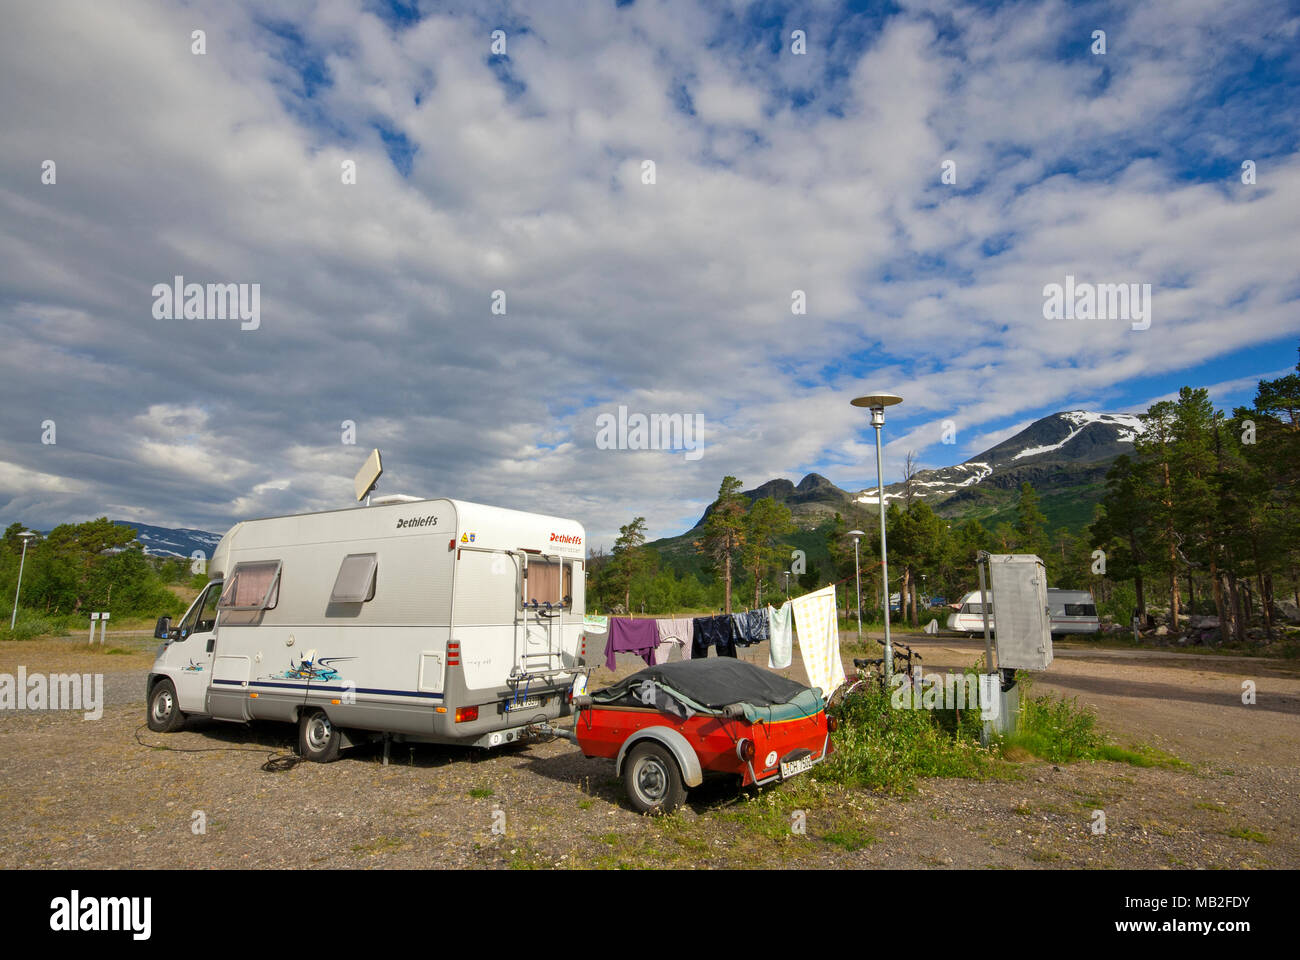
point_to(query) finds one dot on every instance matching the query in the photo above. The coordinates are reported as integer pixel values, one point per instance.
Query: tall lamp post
(876, 403)
(786, 574)
(857, 576)
(26, 535)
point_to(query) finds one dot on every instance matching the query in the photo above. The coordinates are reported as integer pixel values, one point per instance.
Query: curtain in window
(249, 585)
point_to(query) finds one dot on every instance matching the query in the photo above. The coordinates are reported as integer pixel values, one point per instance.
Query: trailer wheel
(653, 781)
(164, 711)
(318, 738)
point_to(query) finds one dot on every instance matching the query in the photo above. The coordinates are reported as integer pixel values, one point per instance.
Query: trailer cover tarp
(709, 685)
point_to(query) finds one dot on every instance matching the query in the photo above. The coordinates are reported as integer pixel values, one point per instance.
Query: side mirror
(163, 629)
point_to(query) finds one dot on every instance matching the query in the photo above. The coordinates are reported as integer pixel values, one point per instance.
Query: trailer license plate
(802, 765)
(524, 704)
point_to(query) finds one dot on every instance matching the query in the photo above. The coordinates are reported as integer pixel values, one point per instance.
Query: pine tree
(766, 523)
(630, 558)
(1154, 448)
(724, 531)
(1121, 526)
(1031, 525)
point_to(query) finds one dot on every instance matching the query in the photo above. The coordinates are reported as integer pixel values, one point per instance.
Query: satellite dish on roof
(368, 475)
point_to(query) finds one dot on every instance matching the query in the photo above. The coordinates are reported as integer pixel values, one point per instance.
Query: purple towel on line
(631, 636)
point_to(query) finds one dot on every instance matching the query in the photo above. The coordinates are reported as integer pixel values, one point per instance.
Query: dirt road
(85, 793)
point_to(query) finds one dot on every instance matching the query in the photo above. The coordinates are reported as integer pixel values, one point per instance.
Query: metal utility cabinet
(1016, 601)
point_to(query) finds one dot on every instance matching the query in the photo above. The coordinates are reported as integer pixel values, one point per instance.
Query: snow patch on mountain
(1104, 431)
(1082, 419)
(172, 542)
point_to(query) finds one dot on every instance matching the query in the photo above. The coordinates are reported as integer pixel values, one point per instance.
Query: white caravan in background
(1072, 611)
(435, 621)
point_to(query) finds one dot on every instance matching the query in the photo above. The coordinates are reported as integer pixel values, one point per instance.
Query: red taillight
(466, 714)
(745, 749)
(832, 724)
(453, 653)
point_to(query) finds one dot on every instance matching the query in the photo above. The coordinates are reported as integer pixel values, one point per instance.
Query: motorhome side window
(356, 580)
(203, 615)
(208, 612)
(1080, 610)
(252, 586)
(548, 581)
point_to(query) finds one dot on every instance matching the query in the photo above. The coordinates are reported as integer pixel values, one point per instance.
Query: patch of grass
(1246, 833)
(1061, 731)
(378, 845)
(481, 793)
(1057, 730)
(1214, 807)
(759, 816)
(584, 804)
(850, 838)
(676, 828)
(1045, 855)
(1142, 755)
(526, 858)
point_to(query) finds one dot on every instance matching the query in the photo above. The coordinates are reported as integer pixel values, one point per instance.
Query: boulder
(1286, 610)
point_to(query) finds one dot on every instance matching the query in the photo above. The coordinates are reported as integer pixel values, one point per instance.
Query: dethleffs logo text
(565, 538)
(430, 521)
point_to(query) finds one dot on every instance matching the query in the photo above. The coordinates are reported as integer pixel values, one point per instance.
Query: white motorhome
(423, 620)
(1072, 611)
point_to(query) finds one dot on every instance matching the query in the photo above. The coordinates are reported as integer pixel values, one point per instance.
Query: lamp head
(876, 403)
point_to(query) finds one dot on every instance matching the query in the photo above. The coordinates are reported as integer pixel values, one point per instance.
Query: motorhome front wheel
(318, 739)
(164, 712)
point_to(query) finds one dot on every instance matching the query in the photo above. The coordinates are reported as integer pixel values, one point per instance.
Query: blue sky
(799, 149)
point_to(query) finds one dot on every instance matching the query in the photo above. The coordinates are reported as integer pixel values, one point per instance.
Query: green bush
(885, 748)
(31, 625)
(1058, 730)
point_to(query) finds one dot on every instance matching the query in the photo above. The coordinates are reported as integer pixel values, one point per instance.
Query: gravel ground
(87, 794)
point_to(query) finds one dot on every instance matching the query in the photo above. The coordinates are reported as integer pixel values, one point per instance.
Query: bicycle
(872, 670)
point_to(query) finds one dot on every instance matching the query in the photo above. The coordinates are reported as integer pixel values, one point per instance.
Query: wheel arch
(688, 762)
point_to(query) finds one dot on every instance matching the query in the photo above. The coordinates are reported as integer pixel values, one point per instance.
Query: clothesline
(811, 619)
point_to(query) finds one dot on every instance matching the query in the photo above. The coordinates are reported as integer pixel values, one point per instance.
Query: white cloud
(666, 298)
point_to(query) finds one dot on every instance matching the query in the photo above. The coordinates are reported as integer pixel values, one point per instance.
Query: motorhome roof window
(548, 581)
(356, 580)
(252, 586)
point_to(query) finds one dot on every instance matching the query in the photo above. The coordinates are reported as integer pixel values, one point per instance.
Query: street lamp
(26, 535)
(786, 574)
(876, 403)
(857, 576)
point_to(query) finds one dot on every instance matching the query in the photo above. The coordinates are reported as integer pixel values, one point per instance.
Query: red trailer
(668, 726)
